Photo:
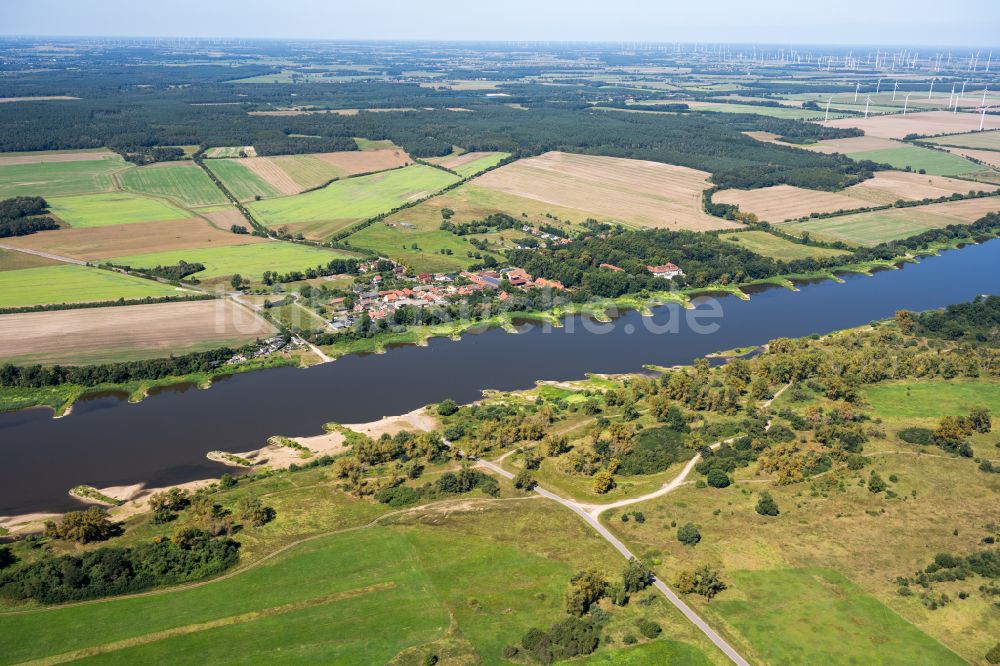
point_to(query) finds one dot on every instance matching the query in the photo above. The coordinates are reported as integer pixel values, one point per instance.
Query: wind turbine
(906, 103)
(982, 118)
(931, 90)
(878, 86)
(857, 87)
(827, 117)
(985, 88)
(868, 101)
(895, 87)
(951, 98)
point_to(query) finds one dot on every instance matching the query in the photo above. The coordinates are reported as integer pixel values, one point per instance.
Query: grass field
(801, 616)
(96, 243)
(776, 247)
(60, 178)
(11, 260)
(70, 283)
(884, 225)
(636, 192)
(984, 140)
(102, 335)
(241, 181)
(397, 242)
(248, 260)
(991, 158)
(231, 151)
(321, 213)
(183, 182)
(291, 174)
(469, 164)
(460, 583)
(917, 157)
(113, 208)
(890, 186)
(933, 399)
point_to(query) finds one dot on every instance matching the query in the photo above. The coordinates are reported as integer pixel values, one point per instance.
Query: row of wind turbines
(953, 99)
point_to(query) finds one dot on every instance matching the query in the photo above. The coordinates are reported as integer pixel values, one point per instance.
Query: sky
(875, 22)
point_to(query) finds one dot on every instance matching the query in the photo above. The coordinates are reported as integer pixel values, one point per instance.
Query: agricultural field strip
(63, 336)
(633, 191)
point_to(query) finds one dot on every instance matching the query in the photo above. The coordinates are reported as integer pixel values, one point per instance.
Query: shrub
(447, 407)
(688, 534)
(876, 483)
(993, 656)
(917, 435)
(717, 478)
(704, 581)
(253, 511)
(766, 506)
(523, 480)
(629, 639)
(603, 482)
(648, 628)
(398, 496)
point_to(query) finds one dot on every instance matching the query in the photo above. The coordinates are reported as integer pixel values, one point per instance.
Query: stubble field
(98, 335)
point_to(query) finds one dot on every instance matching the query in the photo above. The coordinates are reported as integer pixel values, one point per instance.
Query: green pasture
(112, 208)
(53, 179)
(397, 242)
(933, 399)
(769, 245)
(323, 212)
(71, 283)
(934, 162)
(871, 228)
(248, 260)
(241, 181)
(813, 616)
(183, 182)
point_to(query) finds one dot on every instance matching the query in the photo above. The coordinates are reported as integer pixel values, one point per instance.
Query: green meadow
(470, 169)
(983, 140)
(71, 283)
(241, 181)
(12, 260)
(813, 616)
(787, 112)
(112, 208)
(436, 582)
(933, 399)
(248, 260)
(52, 179)
(323, 212)
(872, 228)
(935, 162)
(769, 245)
(397, 242)
(183, 182)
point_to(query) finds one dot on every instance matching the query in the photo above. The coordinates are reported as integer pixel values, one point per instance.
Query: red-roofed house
(667, 271)
(553, 284)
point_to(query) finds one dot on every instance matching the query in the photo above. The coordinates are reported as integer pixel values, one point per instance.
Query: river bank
(164, 440)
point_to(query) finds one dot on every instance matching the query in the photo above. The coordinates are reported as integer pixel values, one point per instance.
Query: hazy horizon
(962, 24)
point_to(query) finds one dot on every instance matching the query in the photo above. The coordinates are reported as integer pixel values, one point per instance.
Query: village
(441, 289)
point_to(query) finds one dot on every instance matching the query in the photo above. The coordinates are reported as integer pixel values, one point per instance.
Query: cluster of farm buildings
(441, 289)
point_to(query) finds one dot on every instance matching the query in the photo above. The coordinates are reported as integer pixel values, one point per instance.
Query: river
(163, 440)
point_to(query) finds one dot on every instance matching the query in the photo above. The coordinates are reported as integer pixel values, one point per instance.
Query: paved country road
(47, 255)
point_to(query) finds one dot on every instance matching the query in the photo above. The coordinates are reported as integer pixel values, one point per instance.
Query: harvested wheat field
(272, 173)
(45, 156)
(853, 144)
(890, 186)
(365, 161)
(988, 157)
(127, 333)
(97, 243)
(786, 202)
(224, 217)
(897, 126)
(636, 192)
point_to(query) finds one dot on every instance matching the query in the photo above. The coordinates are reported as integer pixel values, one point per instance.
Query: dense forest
(976, 322)
(20, 216)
